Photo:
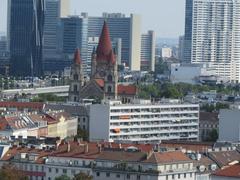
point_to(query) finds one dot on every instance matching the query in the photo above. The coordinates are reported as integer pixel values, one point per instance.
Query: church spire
(77, 57)
(104, 49)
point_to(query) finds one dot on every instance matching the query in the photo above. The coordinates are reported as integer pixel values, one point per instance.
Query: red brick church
(104, 75)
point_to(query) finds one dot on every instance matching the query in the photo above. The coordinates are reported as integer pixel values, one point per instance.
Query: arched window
(75, 88)
(109, 89)
(75, 77)
(109, 78)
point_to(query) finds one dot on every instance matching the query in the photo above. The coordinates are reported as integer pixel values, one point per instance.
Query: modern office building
(181, 48)
(25, 30)
(215, 34)
(128, 29)
(188, 31)
(3, 44)
(74, 32)
(148, 46)
(143, 121)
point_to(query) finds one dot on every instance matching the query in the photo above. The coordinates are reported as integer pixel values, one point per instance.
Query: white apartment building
(144, 121)
(166, 52)
(216, 36)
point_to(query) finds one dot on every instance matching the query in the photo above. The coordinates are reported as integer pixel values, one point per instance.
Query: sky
(165, 17)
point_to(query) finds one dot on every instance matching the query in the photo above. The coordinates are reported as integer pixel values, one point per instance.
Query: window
(73, 172)
(138, 177)
(75, 77)
(49, 169)
(56, 170)
(75, 88)
(36, 168)
(49, 178)
(84, 119)
(64, 171)
(173, 176)
(98, 173)
(185, 175)
(128, 176)
(118, 175)
(190, 174)
(179, 176)
(107, 174)
(109, 78)
(109, 89)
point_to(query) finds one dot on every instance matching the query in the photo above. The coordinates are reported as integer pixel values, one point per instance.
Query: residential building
(144, 121)
(229, 173)
(212, 32)
(138, 165)
(74, 33)
(64, 157)
(128, 29)
(25, 31)
(166, 52)
(148, 46)
(229, 125)
(208, 122)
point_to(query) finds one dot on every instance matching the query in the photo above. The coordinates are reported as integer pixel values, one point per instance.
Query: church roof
(77, 57)
(127, 89)
(104, 49)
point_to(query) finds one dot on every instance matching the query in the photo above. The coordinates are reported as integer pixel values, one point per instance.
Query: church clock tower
(76, 78)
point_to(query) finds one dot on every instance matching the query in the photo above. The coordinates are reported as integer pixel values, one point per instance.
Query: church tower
(104, 64)
(76, 78)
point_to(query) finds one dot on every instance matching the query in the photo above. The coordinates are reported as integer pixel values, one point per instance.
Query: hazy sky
(166, 17)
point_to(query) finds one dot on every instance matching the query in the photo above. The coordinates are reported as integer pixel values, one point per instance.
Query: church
(103, 82)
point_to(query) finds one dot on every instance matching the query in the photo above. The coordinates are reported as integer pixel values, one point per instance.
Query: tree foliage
(63, 177)
(82, 176)
(10, 172)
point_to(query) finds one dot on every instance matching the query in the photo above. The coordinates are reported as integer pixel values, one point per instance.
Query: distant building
(144, 122)
(166, 52)
(211, 36)
(192, 74)
(74, 34)
(25, 30)
(181, 49)
(121, 27)
(3, 45)
(148, 47)
(54, 10)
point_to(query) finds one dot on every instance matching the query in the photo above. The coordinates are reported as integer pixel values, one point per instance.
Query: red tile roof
(12, 104)
(127, 89)
(168, 157)
(104, 49)
(77, 57)
(100, 82)
(232, 171)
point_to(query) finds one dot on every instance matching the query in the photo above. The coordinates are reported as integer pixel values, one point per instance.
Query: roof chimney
(99, 148)
(86, 148)
(68, 147)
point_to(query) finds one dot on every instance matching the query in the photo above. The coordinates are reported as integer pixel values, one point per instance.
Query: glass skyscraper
(25, 30)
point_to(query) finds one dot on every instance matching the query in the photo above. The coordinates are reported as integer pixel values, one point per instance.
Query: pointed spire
(77, 57)
(104, 49)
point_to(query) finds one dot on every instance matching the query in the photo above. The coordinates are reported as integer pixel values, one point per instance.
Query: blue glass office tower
(188, 32)
(25, 29)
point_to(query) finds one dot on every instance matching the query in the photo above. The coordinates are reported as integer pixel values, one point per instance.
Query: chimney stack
(68, 147)
(86, 148)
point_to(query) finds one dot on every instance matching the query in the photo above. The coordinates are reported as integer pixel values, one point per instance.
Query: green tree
(82, 176)
(10, 172)
(213, 136)
(63, 177)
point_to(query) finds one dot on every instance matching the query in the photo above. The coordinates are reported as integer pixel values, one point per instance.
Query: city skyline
(169, 13)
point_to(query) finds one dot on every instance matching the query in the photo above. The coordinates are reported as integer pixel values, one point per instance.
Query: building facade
(25, 30)
(144, 122)
(214, 36)
(74, 34)
(148, 46)
(127, 29)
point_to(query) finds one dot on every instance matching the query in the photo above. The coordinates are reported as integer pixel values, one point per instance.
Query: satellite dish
(202, 168)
